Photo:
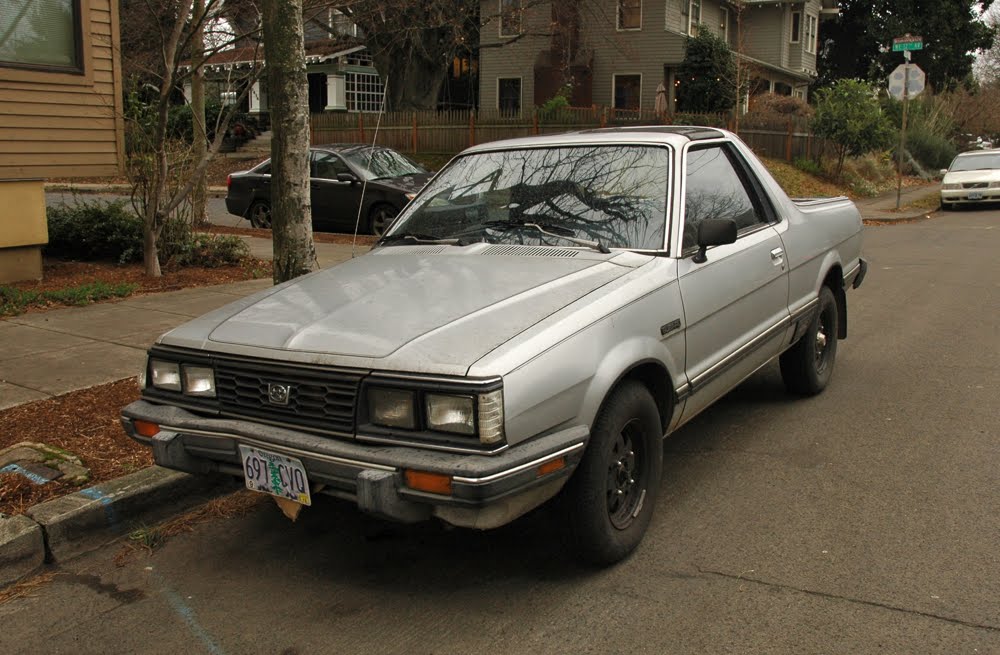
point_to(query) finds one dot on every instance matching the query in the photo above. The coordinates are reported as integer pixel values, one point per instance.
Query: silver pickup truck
(538, 318)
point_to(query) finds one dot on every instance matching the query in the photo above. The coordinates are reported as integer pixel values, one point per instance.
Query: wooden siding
(60, 125)
(503, 57)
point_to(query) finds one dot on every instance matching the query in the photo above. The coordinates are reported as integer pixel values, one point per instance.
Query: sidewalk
(883, 207)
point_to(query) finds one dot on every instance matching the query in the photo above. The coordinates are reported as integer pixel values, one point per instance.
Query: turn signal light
(434, 483)
(551, 467)
(146, 429)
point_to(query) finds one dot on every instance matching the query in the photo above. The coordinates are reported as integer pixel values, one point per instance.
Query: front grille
(975, 185)
(316, 399)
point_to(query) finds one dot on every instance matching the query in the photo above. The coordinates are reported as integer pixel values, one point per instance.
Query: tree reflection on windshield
(614, 194)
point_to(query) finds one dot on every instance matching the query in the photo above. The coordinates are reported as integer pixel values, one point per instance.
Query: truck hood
(405, 308)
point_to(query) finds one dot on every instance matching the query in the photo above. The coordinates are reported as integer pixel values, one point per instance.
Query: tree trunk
(413, 83)
(288, 93)
(199, 145)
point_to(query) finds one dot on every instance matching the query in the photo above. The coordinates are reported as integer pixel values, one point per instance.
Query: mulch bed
(83, 422)
(318, 237)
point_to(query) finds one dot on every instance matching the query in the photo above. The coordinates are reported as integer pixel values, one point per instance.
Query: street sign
(903, 43)
(916, 81)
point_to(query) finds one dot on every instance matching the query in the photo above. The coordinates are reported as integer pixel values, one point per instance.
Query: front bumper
(970, 195)
(486, 491)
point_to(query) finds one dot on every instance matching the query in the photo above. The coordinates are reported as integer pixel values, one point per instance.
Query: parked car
(339, 175)
(541, 315)
(973, 177)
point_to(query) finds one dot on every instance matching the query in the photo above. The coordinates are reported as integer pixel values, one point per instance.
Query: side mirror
(944, 171)
(714, 232)
(347, 177)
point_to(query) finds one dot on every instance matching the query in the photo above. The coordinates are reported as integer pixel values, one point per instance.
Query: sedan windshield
(382, 163)
(975, 163)
(614, 195)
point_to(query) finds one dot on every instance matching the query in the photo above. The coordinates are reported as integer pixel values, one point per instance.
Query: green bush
(932, 151)
(95, 230)
(808, 166)
(212, 251)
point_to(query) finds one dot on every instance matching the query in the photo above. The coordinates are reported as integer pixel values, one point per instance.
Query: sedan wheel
(380, 218)
(260, 215)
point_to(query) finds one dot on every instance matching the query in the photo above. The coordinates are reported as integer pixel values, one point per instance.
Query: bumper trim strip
(520, 468)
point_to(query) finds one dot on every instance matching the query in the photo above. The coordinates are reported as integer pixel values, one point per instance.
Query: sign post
(905, 81)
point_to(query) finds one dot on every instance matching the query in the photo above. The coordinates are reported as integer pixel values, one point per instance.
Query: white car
(973, 177)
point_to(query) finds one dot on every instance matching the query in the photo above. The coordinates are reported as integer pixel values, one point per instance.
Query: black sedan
(338, 176)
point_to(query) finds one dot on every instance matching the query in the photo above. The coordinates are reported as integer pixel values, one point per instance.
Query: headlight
(166, 375)
(199, 381)
(450, 413)
(951, 186)
(392, 408)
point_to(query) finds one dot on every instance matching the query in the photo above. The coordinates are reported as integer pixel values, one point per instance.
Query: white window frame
(812, 33)
(618, 18)
(520, 18)
(520, 92)
(614, 77)
(792, 38)
(725, 24)
(693, 25)
(362, 94)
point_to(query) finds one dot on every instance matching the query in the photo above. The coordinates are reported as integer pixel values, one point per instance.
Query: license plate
(975, 195)
(275, 474)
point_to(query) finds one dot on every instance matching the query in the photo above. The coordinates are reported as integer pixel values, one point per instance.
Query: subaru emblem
(277, 394)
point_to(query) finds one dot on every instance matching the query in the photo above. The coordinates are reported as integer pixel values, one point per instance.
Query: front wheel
(609, 501)
(260, 215)
(807, 367)
(380, 217)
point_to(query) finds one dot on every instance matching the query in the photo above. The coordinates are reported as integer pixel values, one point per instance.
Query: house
(618, 52)
(60, 113)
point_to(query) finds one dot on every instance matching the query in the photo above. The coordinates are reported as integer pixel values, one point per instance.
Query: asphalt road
(216, 207)
(861, 521)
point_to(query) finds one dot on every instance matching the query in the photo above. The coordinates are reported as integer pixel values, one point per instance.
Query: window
(41, 34)
(628, 91)
(811, 34)
(327, 165)
(363, 92)
(724, 25)
(796, 26)
(715, 189)
(629, 14)
(510, 17)
(694, 17)
(509, 95)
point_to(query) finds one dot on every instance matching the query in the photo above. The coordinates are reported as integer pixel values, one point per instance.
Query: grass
(800, 184)
(932, 201)
(14, 301)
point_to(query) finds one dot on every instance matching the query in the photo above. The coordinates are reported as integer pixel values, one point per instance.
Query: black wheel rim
(379, 221)
(626, 485)
(261, 216)
(822, 344)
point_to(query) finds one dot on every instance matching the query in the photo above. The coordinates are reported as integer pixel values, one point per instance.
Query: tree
(858, 43)
(707, 74)
(291, 215)
(848, 114)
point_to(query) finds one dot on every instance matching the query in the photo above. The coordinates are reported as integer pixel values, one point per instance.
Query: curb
(118, 189)
(65, 527)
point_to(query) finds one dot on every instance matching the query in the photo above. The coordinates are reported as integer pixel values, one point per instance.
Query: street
(863, 520)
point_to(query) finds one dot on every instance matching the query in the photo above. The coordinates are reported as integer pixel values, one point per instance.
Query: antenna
(371, 155)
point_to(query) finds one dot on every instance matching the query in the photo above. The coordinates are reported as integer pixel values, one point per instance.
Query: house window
(509, 95)
(510, 17)
(694, 17)
(796, 26)
(628, 91)
(363, 92)
(629, 14)
(811, 34)
(43, 34)
(724, 25)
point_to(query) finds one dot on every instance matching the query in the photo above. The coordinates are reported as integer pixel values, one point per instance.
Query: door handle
(777, 256)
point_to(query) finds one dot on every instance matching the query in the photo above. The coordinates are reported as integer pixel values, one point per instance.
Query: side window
(327, 165)
(716, 190)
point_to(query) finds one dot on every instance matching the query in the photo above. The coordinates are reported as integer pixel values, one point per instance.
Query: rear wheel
(807, 367)
(379, 218)
(259, 215)
(609, 501)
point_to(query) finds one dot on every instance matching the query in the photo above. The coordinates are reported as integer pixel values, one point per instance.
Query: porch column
(255, 104)
(187, 92)
(336, 93)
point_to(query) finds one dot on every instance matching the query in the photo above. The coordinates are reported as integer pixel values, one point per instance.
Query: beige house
(60, 113)
(618, 52)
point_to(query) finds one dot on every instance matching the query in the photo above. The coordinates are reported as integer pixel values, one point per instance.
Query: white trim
(520, 19)
(520, 92)
(691, 4)
(618, 18)
(791, 27)
(724, 11)
(614, 76)
(811, 33)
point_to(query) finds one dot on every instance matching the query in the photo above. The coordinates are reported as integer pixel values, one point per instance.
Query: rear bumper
(486, 491)
(856, 276)
(236, 206)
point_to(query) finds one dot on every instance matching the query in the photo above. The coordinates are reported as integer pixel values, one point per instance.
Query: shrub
(808, 166)
(849, 115)
(932, 151)
(95, 230)
(212, 251)
(772, 104)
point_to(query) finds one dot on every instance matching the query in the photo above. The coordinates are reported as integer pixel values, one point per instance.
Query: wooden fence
(451, 131)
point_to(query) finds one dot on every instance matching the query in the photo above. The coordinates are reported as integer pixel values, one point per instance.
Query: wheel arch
(651, 373)
(834, 279)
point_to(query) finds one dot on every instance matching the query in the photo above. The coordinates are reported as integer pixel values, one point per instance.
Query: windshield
(975, 162)
(383, 163)
(612, 194)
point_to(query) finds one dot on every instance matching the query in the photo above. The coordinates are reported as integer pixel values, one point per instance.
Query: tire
(607, 505)
(259, 215)
(379, 218)
(807, 367)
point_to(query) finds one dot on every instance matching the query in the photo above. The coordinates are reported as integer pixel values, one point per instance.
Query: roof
(676, 135)
(316, 52)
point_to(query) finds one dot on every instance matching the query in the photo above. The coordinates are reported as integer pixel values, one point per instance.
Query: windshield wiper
(549, 230)
(414, 237)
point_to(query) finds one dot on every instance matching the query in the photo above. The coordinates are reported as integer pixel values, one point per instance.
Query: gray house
(618, 52)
